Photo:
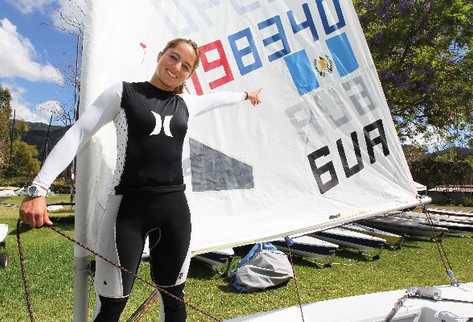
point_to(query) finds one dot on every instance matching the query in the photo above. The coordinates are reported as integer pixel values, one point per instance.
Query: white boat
(437, 221)
(309, 247)
(55, 208)
(3, 254)
(451, 212)
(406, 227)
(3, 233)
(7, 193)
(446, 304)
(219, 260)
(456, 217)
(365, 244)
(392, 240)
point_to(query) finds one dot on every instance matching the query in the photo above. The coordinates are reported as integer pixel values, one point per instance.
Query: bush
(14, 181)
(468, 202)
(434, 173)
(61, 187)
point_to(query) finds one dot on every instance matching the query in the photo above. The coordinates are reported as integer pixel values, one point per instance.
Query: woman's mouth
(171, 74)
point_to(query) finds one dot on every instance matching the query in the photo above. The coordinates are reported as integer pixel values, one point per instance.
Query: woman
(151, 120)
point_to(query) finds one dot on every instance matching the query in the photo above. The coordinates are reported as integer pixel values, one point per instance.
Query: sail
(319, 151)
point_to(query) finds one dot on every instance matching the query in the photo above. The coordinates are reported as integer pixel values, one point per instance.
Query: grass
(49, 263)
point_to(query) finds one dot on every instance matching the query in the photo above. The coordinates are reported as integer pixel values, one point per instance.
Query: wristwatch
(34, 191)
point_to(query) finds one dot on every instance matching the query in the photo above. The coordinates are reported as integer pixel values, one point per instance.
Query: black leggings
(172, 310)
(165, 218)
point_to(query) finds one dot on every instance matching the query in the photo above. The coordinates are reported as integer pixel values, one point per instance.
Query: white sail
(319, 151)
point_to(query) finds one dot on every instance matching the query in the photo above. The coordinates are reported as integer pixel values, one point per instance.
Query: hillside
(37, 132)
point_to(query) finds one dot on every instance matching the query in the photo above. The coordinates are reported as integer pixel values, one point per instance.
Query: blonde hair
(172, 44)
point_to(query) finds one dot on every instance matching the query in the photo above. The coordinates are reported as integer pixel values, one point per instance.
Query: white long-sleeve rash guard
(140, 104)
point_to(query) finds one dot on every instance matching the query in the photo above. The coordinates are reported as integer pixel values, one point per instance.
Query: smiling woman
(176, 63)
(148, 198)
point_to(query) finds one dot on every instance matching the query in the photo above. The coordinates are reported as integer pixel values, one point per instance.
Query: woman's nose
(178, 66)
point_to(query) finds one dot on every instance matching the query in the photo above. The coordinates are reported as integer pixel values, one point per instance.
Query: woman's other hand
(254, 96)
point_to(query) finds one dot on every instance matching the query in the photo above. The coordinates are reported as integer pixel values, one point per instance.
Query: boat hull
(375, 307)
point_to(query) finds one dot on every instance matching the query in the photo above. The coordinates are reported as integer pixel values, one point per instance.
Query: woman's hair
(172, 44)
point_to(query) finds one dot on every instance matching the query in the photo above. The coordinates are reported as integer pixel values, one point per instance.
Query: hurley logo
(160, 124)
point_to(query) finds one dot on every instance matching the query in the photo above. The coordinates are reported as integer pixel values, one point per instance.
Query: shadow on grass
(201, 271)
(410, 243)
(63, 222)
(312, 263)
(227, 288)
(358, 256)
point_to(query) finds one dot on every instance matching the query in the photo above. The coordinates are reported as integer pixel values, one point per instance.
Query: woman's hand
(254, 96)
(34, 212)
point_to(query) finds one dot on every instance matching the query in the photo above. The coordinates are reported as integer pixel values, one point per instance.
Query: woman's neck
(156, 82)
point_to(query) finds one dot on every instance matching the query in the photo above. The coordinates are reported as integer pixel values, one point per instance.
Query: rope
(160, 289)
(139, 314)
(442, 252)
(399, 303)
(289, 243)
(443, 299)
(29, 306)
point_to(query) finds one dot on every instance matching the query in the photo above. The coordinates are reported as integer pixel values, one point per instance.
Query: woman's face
(176, 65)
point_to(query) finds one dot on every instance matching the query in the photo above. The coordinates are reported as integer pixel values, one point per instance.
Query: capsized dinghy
(366, 244)
(309, 247)
(392, 240)
(405, 227)
(436, 221)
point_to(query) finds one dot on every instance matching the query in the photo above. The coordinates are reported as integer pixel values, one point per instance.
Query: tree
(423, 52)
(24, 162)
(414, 153)
(5, 128)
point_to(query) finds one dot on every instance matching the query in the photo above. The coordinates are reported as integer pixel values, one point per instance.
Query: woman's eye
(174, 57)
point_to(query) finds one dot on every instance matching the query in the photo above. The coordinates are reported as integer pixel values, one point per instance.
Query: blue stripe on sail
(342, 54)
(302, 72)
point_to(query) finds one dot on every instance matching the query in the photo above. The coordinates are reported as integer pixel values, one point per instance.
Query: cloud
(28, 6)
(50, 107)
(17, 57)
(22, 108)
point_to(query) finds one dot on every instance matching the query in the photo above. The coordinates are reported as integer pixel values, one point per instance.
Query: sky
(37, 52)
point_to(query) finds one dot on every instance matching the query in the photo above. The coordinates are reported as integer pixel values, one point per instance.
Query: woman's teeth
(172, 75)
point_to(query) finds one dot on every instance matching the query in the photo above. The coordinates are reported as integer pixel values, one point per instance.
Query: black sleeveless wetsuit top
(157, 125)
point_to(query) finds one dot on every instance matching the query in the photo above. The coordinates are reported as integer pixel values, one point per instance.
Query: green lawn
(50, 259)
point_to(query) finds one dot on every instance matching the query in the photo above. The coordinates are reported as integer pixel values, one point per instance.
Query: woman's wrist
(36, 190)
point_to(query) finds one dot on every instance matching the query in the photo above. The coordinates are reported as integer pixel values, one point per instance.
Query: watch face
(32, 191)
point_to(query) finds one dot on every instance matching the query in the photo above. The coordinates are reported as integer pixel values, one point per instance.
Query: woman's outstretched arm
(204, 103)
(33, 210)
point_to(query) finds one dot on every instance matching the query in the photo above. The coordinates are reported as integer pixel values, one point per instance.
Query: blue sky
(35, 55)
